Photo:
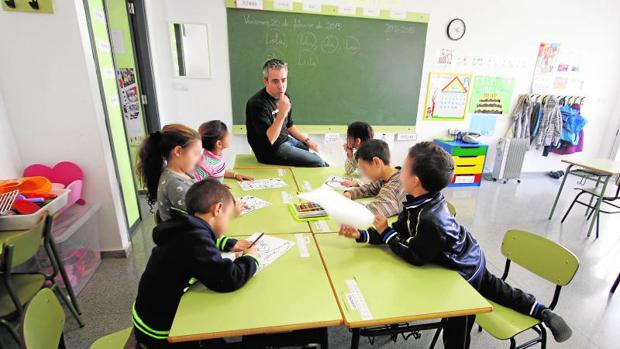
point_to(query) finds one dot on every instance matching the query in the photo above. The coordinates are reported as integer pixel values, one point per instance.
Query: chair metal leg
(570, 207)
(435, 338)
(598, 222)
(69, 305)
(613, 288)
(355, 338)
(12, 330)
(598, 181)
(598, 203)
(543, 337)
(513, 343)
(63, 274)
(62, 344)
(557, 196)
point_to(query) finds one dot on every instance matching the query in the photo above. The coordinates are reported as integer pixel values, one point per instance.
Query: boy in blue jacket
(188, 246)
(426, 232)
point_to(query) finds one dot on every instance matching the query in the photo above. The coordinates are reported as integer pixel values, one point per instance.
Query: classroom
(309, 174)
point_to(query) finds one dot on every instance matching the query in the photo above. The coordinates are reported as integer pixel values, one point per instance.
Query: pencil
(258, 238)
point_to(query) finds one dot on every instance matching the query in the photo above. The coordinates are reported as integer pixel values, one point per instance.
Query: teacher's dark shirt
(260, 112)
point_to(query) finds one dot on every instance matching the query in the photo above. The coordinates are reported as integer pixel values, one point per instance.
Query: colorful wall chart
(447, 95)
(491, 95)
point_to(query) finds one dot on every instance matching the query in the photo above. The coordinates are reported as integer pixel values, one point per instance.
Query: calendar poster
(447, 95)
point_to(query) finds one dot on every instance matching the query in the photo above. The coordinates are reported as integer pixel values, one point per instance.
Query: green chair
(17, 289)
(43, 322)
(116, 340)
(542, 257)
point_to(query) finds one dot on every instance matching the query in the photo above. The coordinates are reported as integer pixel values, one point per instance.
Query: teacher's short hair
(273, 63)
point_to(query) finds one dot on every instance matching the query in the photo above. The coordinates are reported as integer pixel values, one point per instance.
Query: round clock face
(456, 29)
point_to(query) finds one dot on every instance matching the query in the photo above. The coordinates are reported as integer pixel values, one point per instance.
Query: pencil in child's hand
(258, 238)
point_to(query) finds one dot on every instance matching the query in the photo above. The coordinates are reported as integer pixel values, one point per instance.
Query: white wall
(47, 78)
(9, 157)
(506, 28)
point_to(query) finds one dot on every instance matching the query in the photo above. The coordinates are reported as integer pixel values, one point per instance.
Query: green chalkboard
(341, 69)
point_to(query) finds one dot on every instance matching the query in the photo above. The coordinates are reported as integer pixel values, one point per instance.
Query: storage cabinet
(468, 162)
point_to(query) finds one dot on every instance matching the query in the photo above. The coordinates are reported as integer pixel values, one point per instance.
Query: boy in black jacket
(188, 246)
(426, 232)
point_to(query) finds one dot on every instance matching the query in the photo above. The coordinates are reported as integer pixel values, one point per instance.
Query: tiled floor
(488, 212)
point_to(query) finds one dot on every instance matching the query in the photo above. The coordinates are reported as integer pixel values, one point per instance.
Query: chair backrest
(451, 209)
(25, 245)
(43, 321)
(541, 256)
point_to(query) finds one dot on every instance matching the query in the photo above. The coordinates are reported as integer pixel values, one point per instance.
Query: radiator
(509, 158)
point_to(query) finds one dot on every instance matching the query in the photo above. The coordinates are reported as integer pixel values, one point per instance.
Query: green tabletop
(310, 178)
(394, 290)
(249, 161)
(273, 219)
(292, 293)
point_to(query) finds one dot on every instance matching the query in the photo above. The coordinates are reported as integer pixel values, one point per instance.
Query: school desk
(393, 290)
(604, 167)
(313, 178)
(273, 219)
(292, 293)
(243, 161)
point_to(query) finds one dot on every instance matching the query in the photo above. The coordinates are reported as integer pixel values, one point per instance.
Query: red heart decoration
(63, 172)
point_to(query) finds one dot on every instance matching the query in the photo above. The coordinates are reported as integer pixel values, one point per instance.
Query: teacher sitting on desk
(269, 122)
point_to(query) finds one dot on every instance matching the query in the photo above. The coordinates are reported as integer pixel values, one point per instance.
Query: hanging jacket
(572, 124)
(186, 248)
(550, 128)
(426, 232)
(521, 117)
(535, 121)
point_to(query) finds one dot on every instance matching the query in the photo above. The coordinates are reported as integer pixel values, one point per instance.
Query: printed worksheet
(252, 203)
(269, 248)
(260, 184)
(335, 182)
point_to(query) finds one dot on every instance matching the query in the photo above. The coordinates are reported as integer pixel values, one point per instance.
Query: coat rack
(563, 99)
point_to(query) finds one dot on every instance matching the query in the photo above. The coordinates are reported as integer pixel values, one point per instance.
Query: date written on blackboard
(399, 28)
(295, 23)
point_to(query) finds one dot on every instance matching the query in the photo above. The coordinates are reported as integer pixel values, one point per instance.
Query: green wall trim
(333, 10)
(322, 129)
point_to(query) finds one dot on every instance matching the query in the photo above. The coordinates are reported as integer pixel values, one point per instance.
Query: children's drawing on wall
(545, 67)
(131, 105)
(491, 95)
(446, 96)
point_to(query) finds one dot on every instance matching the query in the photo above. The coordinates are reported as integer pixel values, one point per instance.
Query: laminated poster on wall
(491, 95)
(131, 105)
(447, 95)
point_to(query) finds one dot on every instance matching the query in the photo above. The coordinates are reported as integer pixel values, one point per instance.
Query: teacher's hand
(284, 105)
(312, 145)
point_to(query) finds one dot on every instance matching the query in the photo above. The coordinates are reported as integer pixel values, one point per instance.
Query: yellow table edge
(586, 163)
(257, 330)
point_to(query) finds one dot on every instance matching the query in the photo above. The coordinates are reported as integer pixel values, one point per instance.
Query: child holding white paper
(373, 160)
(427, 233)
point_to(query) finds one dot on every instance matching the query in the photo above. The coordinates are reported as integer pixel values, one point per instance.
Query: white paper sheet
(252, 203)
(340, 208)
(260, 184)
(335, 182)
(269, 248)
